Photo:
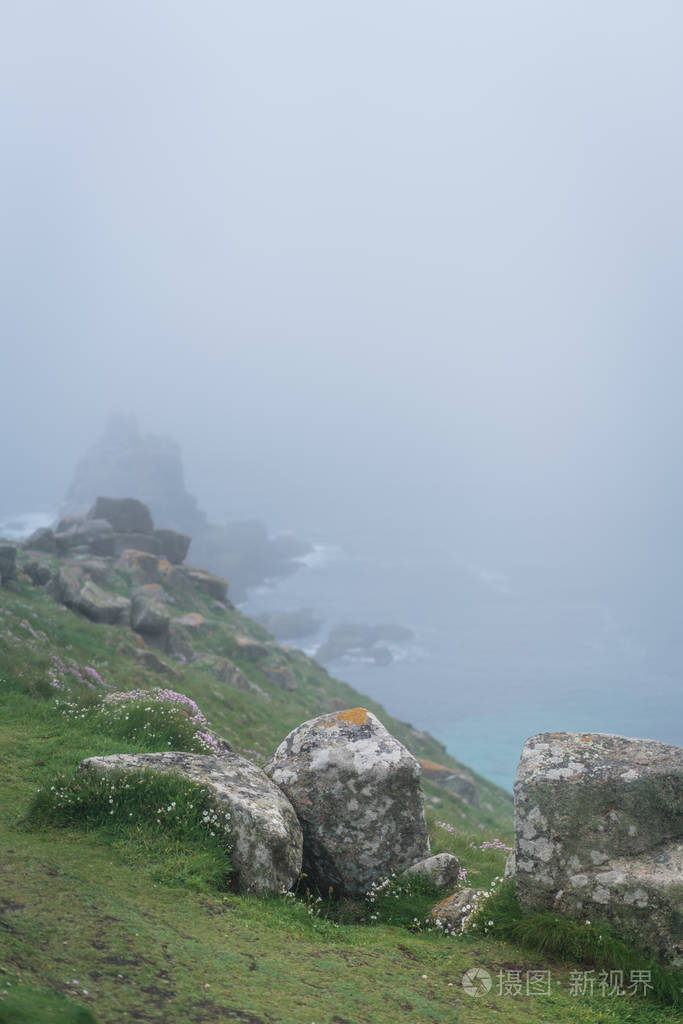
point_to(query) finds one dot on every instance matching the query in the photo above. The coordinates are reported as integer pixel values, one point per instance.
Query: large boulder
(148, 612)
(95, 534)
(42, 539)
(101, 606)
(356, 791)
(174, 545)
(8, 563)
(263, 831)
(599, 832)
(136, 541)
(126, 515)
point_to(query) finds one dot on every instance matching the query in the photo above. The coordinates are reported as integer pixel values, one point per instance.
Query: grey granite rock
(263, 832)
(356, 791)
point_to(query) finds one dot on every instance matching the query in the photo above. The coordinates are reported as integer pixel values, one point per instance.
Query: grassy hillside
(116, 921)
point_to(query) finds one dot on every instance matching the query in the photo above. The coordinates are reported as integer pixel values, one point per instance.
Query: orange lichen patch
(164, 565)
(356, 716)
(193, 620)
(586, 739)
(556, 735)
(432, 766)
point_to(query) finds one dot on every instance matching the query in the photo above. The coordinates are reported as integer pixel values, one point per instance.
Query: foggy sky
(368, 262)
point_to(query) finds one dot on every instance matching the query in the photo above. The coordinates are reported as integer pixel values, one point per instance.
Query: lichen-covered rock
(126, 515)
(142, 566)
(452, 912)
(264, 833)
(215, 586)
(442, 870)
(134, 541)
(599, 832)
(174, 545)
(356, 791)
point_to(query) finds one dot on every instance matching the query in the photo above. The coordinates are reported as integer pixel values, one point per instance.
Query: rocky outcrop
(72, 588)
(263, 832)
(174, 545)
(126, 515)
(356, 792)
(149, 614)
(8, 563)
(599, 832)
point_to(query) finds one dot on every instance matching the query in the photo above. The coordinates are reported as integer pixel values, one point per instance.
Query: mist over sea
(497, 656)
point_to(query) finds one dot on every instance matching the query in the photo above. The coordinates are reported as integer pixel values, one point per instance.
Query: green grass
(137, 911)
(595, 944)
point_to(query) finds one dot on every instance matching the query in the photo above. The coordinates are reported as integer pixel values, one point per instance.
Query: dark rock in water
(38, 572)
(174, 545)
(356, 791)
(126, 515)
(290, 625)
(42, 540)
(262, 829)
(599, 833)
(362, 641)
(8, 563)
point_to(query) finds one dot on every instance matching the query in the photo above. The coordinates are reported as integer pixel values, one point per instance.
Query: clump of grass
(28, 1006)
(160, 819)
(157, 719)
(595, 944)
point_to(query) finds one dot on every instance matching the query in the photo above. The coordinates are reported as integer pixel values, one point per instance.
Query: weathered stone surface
(135, 541)
(70, 587)
(38, 572)
(455, 782)
(95, 534)
(143, 566)
(598, 830)
(442, 870)
(8, 563)
(148, 612)
(356, 791)
(42, 539)
(215, 586)
(95, 568)
(101, 606)
(174, 545)
(281, 676)
(264, 832)
(179, 642)
(126, 515)
(225, 671)
(452, 911)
